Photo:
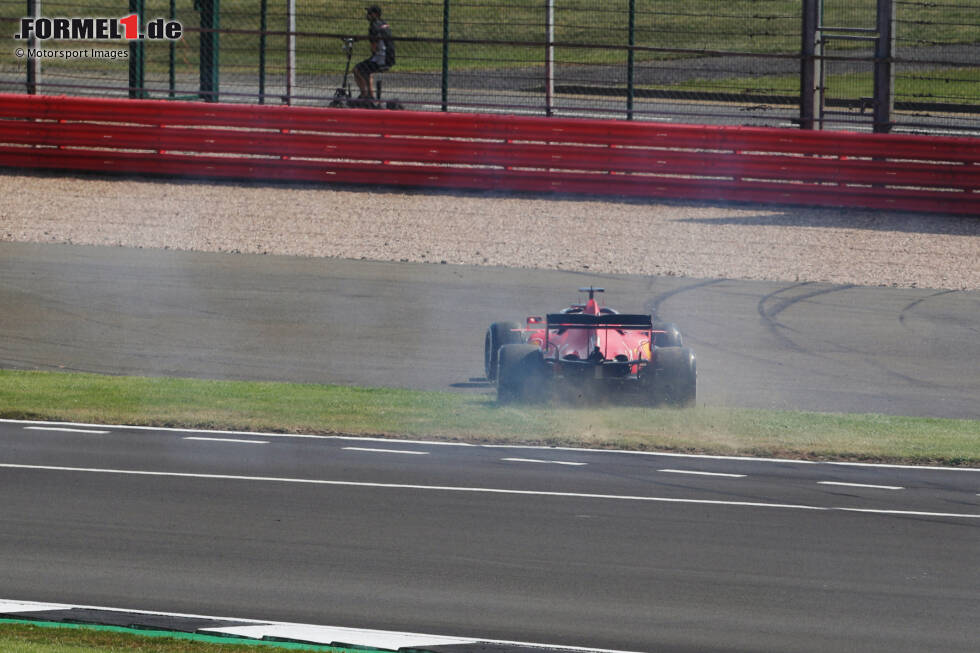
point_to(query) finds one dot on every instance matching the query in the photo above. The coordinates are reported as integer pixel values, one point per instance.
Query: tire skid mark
(777, 328)
(652, 305)
(786, 303)
(913, 305)
(908, 308)
(901, 320)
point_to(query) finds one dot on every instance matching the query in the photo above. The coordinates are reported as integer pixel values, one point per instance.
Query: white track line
(64, 430)
(228, 440)
(544, 462)
(481, 490)
(874, 487)
(435, 443)
(687, 471)
(402, 451)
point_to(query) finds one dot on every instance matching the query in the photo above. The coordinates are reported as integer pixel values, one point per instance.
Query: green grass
(946, 84)
(476, 418)
(19, 637)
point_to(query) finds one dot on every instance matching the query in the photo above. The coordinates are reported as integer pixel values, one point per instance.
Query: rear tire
(498, 335)
(522, 374)
(675, 376)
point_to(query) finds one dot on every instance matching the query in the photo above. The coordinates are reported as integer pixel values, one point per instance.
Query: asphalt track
(760, 344)
(635, 552)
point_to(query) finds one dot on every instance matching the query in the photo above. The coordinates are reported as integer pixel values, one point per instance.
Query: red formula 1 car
(588, 350)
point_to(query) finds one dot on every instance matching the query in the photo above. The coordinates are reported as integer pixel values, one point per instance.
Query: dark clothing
(382, 53)
(367, 67)
(383, 56)
(380, 34)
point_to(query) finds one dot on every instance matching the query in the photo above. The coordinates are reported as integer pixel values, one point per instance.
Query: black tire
(522, 374)
(498, 335)
(671, 336)
(675, 376)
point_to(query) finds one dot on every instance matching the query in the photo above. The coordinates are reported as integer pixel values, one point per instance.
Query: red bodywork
(589, 340)
(589, 350)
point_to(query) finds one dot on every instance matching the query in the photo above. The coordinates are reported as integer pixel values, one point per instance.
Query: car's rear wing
(624, 321)
(618, 321)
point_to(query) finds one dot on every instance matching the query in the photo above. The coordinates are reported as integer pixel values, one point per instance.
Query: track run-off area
(761, 344)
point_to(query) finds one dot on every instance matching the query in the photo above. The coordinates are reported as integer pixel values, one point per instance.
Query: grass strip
(477, 418)
(943, 84)
(23, 636)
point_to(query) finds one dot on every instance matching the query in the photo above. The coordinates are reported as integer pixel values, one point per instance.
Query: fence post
(263, 25)
(290, 51)
(549, 58)
(33, 63)
(811, 93)
(137, 50)
(884, 86)
(630, 62)
(445, 55)
(209, 48)
(172, 47)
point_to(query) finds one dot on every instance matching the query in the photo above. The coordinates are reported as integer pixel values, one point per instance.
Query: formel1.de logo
(98, 29)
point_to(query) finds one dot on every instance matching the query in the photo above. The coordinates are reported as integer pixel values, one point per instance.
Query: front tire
(498, 335)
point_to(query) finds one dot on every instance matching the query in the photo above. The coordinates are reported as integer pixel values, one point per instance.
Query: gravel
(602, 235)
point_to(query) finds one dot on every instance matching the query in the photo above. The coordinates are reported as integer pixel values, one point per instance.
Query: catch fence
(834, 64)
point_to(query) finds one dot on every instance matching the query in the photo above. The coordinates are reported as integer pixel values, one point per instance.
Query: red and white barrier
(478, 151)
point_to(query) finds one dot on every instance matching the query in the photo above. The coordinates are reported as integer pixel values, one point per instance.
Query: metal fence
(754, 62)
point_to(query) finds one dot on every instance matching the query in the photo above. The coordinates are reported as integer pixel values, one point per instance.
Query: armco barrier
(885, 171)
